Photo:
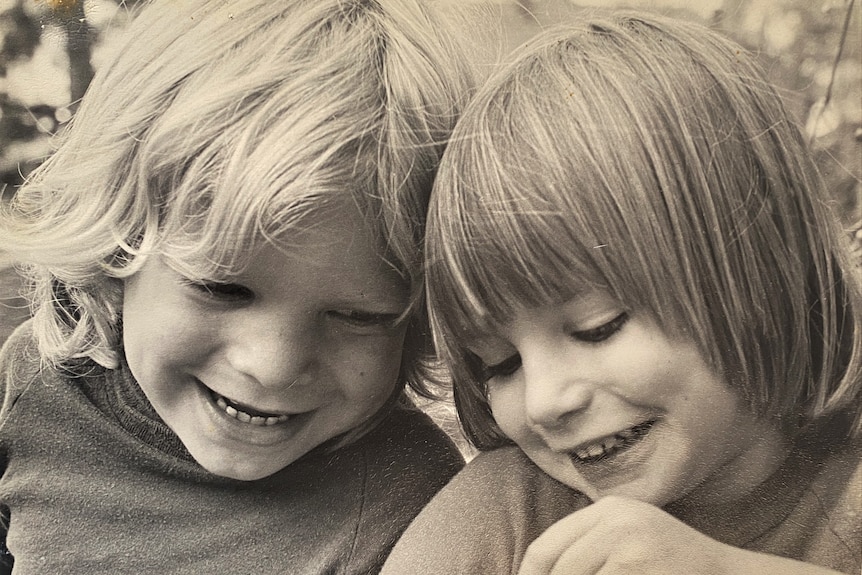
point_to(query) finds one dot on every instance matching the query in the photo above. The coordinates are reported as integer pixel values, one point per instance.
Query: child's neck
(741, 475)
(739, 521)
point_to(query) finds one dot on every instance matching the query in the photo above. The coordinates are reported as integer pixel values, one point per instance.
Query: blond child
(635, 277)
(225, 272)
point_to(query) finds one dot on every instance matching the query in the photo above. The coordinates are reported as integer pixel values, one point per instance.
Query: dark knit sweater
(484, 520)
(95, 482)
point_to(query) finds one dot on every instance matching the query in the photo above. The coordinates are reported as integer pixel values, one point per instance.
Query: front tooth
(231, 410)
(221, 402)
(243, 416)
(258, 420)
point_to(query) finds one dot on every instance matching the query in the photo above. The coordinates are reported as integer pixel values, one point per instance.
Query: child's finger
(561, 538)
(582, 542)
(590, 555)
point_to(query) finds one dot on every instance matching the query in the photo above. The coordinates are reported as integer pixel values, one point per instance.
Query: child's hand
(617, 536)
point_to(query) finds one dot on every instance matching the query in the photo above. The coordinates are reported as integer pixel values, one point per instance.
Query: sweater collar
(733, 522)
(123, 398)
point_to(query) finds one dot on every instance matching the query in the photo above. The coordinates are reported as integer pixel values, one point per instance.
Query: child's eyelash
(602, 332)
(512, 363)
(220, 290)
(502, 369)
(364, 319)
(483, 372)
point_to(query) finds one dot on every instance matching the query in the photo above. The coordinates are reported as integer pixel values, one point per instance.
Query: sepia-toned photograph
(429, 287)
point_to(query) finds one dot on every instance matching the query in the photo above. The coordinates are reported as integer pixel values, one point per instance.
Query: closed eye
(602, 332)
(504, 368)
(365, 319)
(222, 291)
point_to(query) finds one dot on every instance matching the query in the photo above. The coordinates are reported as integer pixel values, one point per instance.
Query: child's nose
(553, 390)
(273, 355)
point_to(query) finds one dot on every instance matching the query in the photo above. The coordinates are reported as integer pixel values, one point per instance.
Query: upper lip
(253, 410)
(599, 438)
(248, 407)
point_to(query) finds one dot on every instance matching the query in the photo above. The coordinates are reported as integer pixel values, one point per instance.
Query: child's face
(298, 349)
(605, 402)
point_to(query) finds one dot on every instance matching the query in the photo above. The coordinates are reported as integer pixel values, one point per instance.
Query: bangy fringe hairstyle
(222, 124)
(649, 158)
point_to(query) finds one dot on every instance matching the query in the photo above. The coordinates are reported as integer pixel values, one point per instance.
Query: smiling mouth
(247, 415)
(611, 445)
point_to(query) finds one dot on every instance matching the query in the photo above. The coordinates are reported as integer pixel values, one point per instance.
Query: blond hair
(222, 124)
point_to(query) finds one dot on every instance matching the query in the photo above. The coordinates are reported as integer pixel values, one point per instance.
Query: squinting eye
(365, 319)
(602, 332)
(225, 291)
(504, 368)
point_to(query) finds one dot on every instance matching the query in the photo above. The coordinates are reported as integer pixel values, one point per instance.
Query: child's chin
(242, 466)
(246, 471)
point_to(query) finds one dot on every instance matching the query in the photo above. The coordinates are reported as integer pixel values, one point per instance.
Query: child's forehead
(332, 234)
(332, 258)
(339, 226)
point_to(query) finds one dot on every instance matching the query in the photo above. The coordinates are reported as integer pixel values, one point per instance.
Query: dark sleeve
(409, 459)
(20, 364)
(13, 374)
(6, 559)
(484, 519)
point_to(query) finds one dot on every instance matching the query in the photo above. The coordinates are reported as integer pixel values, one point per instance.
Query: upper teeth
(607, 445)
(599, 448)
(247, 417)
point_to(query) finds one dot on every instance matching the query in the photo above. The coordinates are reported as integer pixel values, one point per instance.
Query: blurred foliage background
(49, 50)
